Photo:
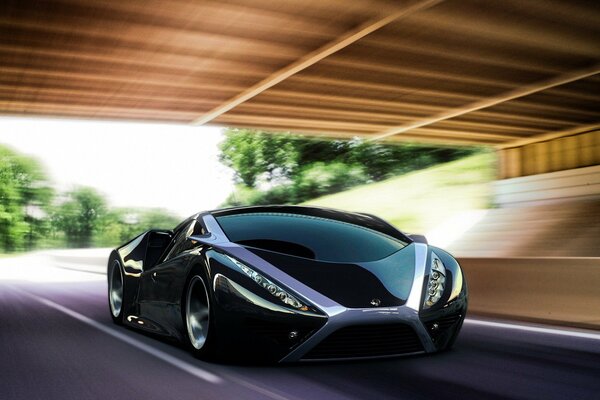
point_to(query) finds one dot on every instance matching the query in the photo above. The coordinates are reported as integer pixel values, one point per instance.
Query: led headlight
(269, 286)
(437, 281)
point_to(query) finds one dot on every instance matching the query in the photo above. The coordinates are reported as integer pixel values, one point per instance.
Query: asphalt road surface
(57, 341)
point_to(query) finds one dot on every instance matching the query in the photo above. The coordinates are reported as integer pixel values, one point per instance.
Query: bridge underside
(453, 72)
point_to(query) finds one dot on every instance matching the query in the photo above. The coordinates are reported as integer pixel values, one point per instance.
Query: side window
(180, 243)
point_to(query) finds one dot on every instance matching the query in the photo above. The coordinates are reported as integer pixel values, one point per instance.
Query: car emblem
(375, 302)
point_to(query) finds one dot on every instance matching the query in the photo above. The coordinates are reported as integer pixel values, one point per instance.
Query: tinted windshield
(308, 236)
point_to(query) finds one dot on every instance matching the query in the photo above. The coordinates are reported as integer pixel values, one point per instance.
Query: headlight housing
(437, 281)
(283, 296)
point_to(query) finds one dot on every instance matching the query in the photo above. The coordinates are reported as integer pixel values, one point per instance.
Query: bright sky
(133, 164)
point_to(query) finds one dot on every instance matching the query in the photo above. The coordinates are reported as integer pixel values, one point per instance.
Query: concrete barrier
(564, 291)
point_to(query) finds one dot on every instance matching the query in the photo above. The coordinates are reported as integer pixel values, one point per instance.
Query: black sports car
(284, 283)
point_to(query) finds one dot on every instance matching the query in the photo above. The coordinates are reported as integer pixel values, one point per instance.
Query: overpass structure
(522, 77)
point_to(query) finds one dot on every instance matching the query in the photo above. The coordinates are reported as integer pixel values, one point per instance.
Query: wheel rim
(197, 312)
(115, 290)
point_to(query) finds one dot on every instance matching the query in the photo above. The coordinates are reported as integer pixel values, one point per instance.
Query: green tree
(122, 224)
(80, 216)
(255, 154)
(158, 218)
(24, 198)
(322, 178)
(297, 168)
(243, 195)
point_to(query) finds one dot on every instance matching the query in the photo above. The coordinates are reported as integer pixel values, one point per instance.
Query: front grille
(367, 341)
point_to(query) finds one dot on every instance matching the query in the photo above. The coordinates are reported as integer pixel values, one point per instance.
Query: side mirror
(418, 238)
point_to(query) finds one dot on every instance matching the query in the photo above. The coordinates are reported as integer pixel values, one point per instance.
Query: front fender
(444, 319)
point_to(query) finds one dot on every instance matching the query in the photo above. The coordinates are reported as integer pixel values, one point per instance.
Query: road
(57, 341)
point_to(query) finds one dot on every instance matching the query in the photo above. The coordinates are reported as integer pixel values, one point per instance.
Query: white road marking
(257, 388)
(535, 329)
(174, 361)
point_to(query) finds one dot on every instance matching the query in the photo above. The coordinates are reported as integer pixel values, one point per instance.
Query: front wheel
(197, 317)
(116, 284)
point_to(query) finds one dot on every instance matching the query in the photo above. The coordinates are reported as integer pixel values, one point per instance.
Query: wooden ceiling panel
(449, 71)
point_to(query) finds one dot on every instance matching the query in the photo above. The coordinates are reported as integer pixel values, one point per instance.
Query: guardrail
(557, 290)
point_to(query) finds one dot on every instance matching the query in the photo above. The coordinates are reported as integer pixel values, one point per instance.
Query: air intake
(367, 341)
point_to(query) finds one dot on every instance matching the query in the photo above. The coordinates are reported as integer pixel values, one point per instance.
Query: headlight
(269, 286)
(437, 281)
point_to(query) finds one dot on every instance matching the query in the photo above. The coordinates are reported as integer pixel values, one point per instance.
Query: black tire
(115, 278)
(200, 330)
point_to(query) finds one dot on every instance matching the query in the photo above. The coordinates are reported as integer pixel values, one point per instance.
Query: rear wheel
(197, 317)
(116, 286)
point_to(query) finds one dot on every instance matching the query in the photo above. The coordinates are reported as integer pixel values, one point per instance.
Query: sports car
(288, 283)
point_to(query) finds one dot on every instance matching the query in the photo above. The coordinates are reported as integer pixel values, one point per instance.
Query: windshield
(311, 237)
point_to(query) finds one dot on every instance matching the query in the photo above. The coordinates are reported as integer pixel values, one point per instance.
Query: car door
(161, 286)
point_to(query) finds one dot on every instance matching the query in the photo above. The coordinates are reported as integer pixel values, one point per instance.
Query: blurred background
(61, 189)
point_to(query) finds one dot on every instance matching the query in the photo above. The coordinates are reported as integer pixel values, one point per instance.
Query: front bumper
(382, 319)
(254, 327)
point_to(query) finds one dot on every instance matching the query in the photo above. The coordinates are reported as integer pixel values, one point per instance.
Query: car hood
(381, 283)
